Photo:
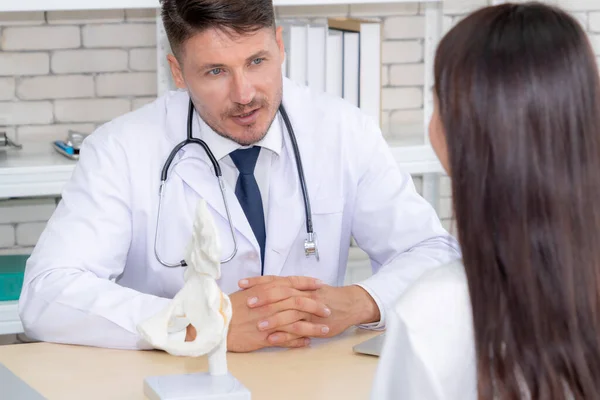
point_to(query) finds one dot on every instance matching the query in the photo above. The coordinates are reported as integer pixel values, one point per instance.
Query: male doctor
(95, 274)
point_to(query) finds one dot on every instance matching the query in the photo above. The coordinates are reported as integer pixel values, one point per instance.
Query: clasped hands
(272, 311)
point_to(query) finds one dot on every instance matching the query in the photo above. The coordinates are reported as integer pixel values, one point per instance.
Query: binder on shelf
(362, 62)
(295, 38)
(335, 63)
(316, 55)
(351, 67)
(340, 56)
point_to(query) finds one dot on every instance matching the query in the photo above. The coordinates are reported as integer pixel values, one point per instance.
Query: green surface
(12, 269)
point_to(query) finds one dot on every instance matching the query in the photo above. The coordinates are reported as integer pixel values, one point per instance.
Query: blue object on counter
(70, 147)
(64, 147)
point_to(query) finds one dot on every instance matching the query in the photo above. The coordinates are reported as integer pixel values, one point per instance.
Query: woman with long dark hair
(517, 127)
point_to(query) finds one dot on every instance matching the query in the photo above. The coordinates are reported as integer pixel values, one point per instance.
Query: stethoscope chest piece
(311, 247)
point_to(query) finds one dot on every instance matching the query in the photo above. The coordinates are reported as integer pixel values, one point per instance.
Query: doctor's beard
(251, 133)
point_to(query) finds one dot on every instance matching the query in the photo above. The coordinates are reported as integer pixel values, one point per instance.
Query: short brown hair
(184, 18)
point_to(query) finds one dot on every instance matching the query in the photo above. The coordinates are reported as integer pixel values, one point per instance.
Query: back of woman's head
(519, 100)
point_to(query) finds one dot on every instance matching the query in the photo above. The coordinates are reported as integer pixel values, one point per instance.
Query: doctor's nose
(242, 90)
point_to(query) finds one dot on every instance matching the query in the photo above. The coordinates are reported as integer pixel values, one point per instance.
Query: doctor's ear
(280, 43)
(176, 71)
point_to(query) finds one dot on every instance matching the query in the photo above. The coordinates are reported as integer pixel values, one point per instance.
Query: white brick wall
(23, 18)
(596, 43)
(105, 59)
(85, 17)
(27, 112)
(385, 75)
(576, 5)
(383, 10)
(126, 84)
(401, 98)
(28, 233)
(7, 236)
(21, 223)
(399, 52)
(90, 110)
(119, 35)
(594, 22)
(15, 64)
(406, 117)
(40, 38)
(405, 27)
(55, 87)
(140, 15)
(82, 61)
(407, 75)
(312, 11)
(77, 69)
(43, 132)
(31, 210)
(7, 88)
(142, 59)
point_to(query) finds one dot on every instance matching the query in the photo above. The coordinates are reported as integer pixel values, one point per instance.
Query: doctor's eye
(215, 71)
(257, 61)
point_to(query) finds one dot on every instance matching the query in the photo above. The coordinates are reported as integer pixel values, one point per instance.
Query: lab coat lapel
(286, 215)
(286, 211)
(200, 177)
(194, 168)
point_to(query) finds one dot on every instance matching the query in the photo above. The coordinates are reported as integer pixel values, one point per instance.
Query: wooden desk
(327, 370)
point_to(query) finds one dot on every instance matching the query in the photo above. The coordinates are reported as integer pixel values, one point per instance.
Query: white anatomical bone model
(200, 302)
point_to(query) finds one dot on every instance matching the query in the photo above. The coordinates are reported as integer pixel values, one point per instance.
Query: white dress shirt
(270, 149)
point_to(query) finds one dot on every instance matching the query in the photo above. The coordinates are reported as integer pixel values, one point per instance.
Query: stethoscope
(310, 244)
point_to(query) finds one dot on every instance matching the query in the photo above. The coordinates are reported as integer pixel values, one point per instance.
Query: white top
(429, 351)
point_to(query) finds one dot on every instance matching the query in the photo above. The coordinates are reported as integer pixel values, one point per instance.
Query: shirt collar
(222, 147)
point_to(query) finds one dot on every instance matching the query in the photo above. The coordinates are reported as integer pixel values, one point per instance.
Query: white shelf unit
(54, 5)
(9, 318)
(39, 171)
(36, 170)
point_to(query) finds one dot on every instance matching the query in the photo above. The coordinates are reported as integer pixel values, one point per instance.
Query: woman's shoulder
(429, 347)
(453, 272)
(443, 291)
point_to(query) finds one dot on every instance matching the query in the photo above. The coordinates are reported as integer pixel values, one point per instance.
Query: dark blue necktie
(247, 192)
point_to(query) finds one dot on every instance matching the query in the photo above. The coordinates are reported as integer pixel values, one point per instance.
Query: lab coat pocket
(328, 205)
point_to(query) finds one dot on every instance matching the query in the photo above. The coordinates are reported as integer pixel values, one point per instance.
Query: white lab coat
(429, 347)
(93, 275)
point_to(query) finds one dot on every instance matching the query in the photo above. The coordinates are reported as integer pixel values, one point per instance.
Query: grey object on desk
(14, 388)
(7, 143)
(195, 386)
(371, 347)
